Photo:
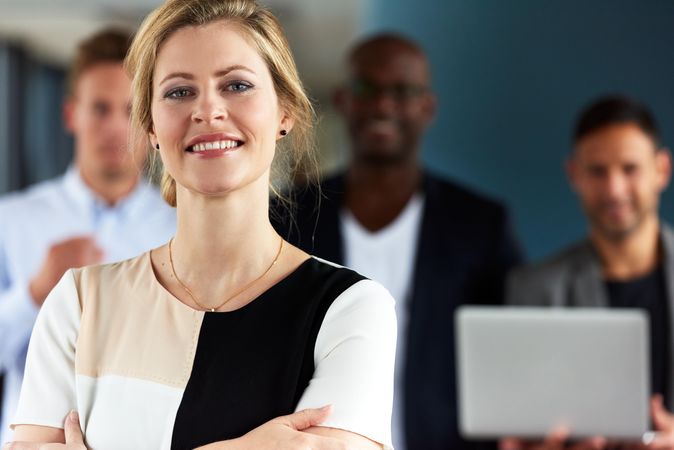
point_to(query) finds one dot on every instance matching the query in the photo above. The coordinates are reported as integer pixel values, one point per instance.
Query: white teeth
(215, 145)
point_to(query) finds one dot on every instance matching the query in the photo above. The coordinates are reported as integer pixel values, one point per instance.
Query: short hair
(107, 46)
(385, 39)
(264, 32)
(612, 110)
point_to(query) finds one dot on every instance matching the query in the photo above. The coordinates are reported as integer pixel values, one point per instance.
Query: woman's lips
(214, 151)
(214, 145)
(211, 141)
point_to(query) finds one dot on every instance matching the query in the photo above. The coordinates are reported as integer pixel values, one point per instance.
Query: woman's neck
(222, 243)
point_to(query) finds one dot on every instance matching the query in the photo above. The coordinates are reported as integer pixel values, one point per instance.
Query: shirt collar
(88, 200)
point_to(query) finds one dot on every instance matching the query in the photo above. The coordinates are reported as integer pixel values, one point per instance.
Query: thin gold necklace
(194, 298)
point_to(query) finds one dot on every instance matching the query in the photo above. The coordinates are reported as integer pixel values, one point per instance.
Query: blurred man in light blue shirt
(101, 210)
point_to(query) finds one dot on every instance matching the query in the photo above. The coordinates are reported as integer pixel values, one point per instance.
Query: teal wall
(511, 76)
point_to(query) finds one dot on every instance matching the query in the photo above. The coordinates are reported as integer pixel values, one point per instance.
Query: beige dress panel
(131, 326)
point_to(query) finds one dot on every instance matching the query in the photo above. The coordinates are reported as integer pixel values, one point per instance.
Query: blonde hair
(296, 156)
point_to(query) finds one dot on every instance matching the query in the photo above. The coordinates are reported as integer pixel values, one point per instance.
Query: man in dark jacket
(434, 244)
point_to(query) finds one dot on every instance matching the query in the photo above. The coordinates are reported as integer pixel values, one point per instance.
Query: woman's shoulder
(330, 290)
(331, 269)
(350, 289)
(319, 277)
(115, 271)
(322, 268)
(100, 284)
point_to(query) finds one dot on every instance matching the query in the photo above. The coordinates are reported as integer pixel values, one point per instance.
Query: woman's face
(215, 112)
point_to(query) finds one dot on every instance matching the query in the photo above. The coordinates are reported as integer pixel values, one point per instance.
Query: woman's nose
(209, 108)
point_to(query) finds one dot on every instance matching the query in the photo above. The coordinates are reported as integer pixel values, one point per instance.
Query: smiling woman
(227, 83)
(259, 32)
(226, 335)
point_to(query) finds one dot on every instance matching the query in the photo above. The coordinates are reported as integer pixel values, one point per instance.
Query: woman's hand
(73, 437)
(285, 433)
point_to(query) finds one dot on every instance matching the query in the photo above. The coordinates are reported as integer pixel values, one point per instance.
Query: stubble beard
(618, 234)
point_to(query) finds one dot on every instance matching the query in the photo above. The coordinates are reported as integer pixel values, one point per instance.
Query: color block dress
(145, 371)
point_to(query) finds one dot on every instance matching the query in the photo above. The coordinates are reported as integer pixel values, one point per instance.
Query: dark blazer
(465, 248)
(573, 277)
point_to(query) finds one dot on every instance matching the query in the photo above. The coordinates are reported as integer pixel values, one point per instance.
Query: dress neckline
(282, 282)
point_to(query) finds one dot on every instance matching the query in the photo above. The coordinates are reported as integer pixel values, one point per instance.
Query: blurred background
(511, 77)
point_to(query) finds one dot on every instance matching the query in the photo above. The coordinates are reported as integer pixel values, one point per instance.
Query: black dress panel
(254, 363)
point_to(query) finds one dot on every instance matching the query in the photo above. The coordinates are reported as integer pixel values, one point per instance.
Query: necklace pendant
(196, 302)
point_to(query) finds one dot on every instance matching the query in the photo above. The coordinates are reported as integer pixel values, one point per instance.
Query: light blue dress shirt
(31, 221)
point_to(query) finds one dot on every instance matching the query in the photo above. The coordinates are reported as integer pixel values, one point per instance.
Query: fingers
(657, 408)
(554, 440)
(510, 443)
(663, 420)
(661, 441)
(79, 251)
(85, 239)
(594, 443)
(557, 436)
(72, 430)
(21, 446)
(306, 418)
(91, 253)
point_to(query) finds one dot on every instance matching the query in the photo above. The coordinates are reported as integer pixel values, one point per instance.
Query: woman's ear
(285, 126)
(153, 138)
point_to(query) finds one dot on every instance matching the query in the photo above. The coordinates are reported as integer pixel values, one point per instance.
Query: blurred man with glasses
(433, 243)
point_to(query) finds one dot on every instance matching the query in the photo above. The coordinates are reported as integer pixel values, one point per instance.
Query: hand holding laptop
(556, 440)
(523, 372)
(661, 439)
(663, 421)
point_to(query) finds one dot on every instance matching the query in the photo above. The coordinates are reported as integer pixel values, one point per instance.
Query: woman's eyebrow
(219, 73)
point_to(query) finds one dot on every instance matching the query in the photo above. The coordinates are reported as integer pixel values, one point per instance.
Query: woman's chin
(222, 186)
(215, 190)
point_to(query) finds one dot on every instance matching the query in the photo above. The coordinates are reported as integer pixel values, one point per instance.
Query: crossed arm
(366, 362)
(298, 431)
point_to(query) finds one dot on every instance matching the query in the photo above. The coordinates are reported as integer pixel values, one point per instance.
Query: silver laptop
(522, 371)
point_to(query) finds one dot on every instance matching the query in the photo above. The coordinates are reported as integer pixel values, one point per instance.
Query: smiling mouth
(214, 145)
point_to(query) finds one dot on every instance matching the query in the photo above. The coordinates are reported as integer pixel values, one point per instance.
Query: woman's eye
(177, 93)
(238, 86)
